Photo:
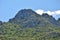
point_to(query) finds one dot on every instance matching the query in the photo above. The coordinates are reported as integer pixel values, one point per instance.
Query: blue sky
(9, 8)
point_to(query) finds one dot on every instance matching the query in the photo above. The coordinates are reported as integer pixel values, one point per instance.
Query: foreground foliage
(9, 31)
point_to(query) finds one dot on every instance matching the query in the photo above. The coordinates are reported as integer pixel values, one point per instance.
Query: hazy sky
(9, 8)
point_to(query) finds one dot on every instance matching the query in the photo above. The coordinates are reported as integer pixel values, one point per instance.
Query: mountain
(26, 17)
(29, 18)
(28, 25)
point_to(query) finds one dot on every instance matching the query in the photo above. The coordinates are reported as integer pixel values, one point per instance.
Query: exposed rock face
(25, 13)
(26, 17)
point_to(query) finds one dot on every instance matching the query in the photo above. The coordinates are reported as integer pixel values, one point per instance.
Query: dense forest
(28, 25)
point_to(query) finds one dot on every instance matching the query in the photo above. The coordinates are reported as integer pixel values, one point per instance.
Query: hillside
(28, 25)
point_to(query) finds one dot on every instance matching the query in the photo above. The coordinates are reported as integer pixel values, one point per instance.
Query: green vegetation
(9, 31)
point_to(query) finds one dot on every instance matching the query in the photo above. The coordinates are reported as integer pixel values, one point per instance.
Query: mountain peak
(24, 13)
(25, 17)
(46, 15)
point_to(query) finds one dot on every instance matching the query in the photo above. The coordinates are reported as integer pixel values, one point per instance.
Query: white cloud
(57, 12)
(48, 12)
(40, 11)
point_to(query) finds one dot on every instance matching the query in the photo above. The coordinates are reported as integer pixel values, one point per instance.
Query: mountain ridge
(28, 16)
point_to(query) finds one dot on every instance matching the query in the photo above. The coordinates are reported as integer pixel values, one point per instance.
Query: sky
(9, 8)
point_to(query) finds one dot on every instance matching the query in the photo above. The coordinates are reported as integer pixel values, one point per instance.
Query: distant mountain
(29, 18)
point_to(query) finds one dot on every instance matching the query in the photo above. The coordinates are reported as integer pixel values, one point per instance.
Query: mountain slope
(50, 19)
